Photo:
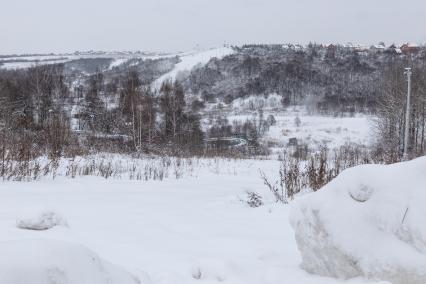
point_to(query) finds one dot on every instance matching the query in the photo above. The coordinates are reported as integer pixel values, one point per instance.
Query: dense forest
(330, 77)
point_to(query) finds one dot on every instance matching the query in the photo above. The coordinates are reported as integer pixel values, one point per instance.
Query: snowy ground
(315, 130)
(191, 230)
(318, 130)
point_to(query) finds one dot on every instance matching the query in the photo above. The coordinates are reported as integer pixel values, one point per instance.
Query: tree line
(391, 110)
(45, 112)
(331, 80)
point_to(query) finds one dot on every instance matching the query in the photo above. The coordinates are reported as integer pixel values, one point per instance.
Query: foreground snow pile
(369, 222)
(42, 220)
(56, 262)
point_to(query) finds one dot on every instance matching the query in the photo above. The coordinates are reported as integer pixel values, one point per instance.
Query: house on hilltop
(410, 48)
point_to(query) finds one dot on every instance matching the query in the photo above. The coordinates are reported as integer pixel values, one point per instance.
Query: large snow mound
(369, 221)
(56, 262)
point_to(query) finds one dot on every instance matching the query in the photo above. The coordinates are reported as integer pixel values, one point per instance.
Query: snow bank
(56, 262)
(42, 220)
(215, 270)
(369, 222)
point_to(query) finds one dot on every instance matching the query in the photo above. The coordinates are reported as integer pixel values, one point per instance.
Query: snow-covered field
(194, 229)
(20, 62)
(189, 59)
(316, 130)
(312, 129)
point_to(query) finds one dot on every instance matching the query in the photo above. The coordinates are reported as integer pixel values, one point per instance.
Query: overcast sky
(172, 25)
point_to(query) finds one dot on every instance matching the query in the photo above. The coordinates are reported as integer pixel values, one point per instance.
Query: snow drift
(42, 220)
(56, 262)
(369, 222)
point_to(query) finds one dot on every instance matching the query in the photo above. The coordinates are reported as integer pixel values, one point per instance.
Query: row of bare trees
(149, 119)
(40, 113)
(33, 118)
(316, 169)
(390, 124)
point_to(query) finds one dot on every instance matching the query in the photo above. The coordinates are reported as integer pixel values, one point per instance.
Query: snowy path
(171, 231)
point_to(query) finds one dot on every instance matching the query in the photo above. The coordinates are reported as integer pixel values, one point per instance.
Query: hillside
(251, 92)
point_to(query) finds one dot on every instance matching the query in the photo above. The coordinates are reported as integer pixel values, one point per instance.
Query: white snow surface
(46, 261)
(191, 60)
(368, 222)
(194, 229)
(315, 129)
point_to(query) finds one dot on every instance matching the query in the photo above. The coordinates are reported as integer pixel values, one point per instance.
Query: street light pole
(407, 72)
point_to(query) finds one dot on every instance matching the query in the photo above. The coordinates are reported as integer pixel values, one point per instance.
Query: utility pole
(407, 72)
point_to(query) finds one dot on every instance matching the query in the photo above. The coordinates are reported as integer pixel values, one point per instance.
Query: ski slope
(190, 60)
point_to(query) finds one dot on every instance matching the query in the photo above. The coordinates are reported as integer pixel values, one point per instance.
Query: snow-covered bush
(271, 121)
(369, 221)
(42, 220)
(253, 199)
(297, 121)
(56, 262)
